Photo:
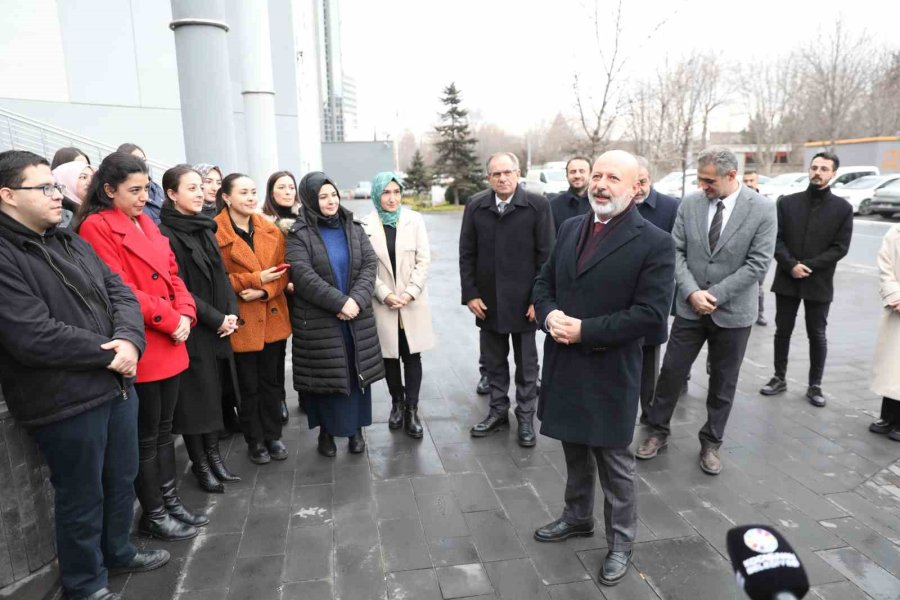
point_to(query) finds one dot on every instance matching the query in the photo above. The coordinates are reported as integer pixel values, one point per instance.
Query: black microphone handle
(784, 596)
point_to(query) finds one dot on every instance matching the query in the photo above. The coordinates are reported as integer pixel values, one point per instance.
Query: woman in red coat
(111, 220)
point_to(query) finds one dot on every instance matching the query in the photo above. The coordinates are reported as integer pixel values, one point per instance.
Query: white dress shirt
(729, 202)
(505, 203)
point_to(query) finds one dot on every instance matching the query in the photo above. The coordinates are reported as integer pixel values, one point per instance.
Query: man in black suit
(607, 285)
(814, 232)
(660, 210)
(574, 201)
(506, 236)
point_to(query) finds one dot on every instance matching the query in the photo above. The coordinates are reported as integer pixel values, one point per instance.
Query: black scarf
(197, 232)
(284, 212)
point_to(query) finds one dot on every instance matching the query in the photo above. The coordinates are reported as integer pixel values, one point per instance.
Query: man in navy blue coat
(660, 210)
(607, 285)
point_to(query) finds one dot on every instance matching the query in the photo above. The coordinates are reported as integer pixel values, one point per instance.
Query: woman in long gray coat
(886, 375)
(336, 353)
(404, 319)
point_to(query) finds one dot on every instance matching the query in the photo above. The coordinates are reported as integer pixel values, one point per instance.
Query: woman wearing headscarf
(886, 375)
(211, 179)
(336, 353)
(198, 412)
(76, 177)
(401, 309)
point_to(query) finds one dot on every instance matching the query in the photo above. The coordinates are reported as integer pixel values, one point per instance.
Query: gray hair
(723, 158)
(642, 162)
(509, 155)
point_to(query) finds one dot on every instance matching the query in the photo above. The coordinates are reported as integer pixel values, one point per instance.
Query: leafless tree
(770, 97)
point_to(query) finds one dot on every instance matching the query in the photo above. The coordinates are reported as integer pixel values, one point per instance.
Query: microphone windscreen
(764, 562)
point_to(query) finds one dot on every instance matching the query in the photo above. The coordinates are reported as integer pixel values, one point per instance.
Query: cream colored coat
(413, 260)
(886, 364)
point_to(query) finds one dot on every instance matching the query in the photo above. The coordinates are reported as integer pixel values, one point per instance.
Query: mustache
(601, 194)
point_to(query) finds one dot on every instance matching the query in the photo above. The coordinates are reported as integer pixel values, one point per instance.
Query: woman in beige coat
(886, 374)
(401, 312)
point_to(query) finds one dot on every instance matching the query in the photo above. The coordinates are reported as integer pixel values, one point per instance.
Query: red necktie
(598, 227)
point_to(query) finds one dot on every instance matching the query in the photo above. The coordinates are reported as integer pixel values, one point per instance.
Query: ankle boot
(216, 464)
(357, 443)
(155, 519)
(413, 424)
(169, 488)
(200, 464)
(326, 444)
(395, 420)
(285, 415)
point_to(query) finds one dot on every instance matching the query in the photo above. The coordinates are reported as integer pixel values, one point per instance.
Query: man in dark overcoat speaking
(506, 236)
(607, 286)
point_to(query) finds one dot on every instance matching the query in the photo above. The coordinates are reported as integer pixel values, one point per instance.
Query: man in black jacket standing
(71, 334)
(814, 232)
(574, 201)
(506, 236)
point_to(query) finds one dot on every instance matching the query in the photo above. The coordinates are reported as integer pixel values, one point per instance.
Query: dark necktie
(715, 229)
(598, 227)
(501, 206)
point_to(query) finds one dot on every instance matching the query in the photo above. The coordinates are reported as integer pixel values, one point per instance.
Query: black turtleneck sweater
(567, 205)
(814, 228)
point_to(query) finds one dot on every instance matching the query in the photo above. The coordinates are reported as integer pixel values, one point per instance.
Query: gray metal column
(204, 82)
(257, 88)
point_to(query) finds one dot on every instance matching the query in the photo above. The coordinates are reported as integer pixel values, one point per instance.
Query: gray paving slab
(450, 516)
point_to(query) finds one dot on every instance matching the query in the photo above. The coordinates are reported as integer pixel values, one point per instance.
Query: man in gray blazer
(724, 242)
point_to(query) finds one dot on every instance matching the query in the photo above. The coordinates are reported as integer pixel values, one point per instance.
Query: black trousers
(412, 368)
(93, 460)
(890, 410)
(495, 353)
(615, 466)
(261, 381)
(649, 375)
(156, 407)
(726, 352)
(816, 314)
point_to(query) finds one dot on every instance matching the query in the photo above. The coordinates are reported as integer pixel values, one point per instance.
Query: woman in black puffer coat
(336, 353)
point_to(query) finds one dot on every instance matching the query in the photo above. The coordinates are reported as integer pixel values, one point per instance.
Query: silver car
(886, 201)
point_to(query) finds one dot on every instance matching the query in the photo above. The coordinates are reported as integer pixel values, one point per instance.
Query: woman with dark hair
(211, 176)
(68, 154)
(282, 208)
(112, 220)
(404, 320)
(253, 254)
(154, 204)
(335, 353)
(198, 412)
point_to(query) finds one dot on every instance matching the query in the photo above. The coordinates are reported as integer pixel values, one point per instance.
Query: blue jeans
(93, 460)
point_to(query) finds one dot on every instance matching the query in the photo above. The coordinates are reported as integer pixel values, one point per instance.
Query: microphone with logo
(765, 565)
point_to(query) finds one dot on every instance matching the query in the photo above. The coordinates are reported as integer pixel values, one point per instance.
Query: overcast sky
(515, 60)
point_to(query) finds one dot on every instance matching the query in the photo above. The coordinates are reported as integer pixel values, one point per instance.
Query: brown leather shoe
(710, 462)
(651, 446)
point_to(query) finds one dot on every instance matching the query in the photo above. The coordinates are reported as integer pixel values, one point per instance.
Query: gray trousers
(616, 469)
(494, 353)
(649, 375)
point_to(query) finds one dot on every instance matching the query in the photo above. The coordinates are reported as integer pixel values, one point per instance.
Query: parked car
(859, 192)
(671, 184)
(842, 177)
(546, 181)
(778, 185)
(363, 190)
(886, 200)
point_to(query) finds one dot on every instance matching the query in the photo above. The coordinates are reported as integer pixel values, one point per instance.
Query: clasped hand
(350, 310)
(181, 333)
(395, 302)
(126, 359)
(702, 302)
(228, 326)
(800, 271)
(563, 328)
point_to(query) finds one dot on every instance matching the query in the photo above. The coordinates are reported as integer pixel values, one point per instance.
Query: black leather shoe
(483, 386)
(163, 526)
(776, 385)
(559, 530)
(285, 415)
(326, 445)
(815, 397)
(103, 594)
(277, 450)
(357, 443)
(412, 424)
(216, 464)
(491, 424)
(881, 426)
(614, 567)
(258, 453)
(527, 439)
(395, 420)
(894, 434)
(144, 560)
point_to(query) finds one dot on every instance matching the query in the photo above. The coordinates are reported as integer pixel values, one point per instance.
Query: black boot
(395, 420)
(156, 520)
(326, 443)
(285, 415)
(173, 504)
(216, 464)
(200, 464)
(413, 424)
(357, 443)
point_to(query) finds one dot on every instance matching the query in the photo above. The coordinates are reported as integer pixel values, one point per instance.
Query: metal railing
(18, 132)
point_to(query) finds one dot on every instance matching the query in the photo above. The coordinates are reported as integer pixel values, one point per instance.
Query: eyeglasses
(47, 189)
(499, 174)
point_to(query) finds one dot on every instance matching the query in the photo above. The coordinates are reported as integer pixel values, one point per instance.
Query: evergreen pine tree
(417, 174)
(456, 148)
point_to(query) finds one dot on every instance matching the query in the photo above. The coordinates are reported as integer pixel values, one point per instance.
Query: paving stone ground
(449, 516)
